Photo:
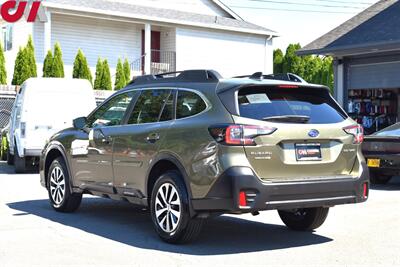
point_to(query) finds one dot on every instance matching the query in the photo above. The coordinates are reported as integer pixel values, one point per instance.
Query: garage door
(374, 76)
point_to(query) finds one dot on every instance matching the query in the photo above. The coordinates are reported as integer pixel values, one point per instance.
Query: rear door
(137, 142)
(309, 141)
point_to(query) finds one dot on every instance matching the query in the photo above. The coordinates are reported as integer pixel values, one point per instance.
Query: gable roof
(376, 28)
(228, 10)
(145, 13)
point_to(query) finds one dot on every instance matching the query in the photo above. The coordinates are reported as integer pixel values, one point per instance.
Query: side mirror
(80, 123)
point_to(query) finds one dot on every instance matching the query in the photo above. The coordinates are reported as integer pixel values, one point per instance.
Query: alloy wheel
(57, 185)
(168, 207)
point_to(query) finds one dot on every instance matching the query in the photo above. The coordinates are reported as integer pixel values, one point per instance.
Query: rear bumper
(35, 152)
(326, 192)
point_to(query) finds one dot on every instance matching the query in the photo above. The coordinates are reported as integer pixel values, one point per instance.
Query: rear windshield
(262, 103)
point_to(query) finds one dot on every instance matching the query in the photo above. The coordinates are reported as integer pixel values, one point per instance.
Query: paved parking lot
(105, 233)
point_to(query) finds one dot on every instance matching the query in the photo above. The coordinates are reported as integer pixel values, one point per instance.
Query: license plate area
(374, 163)
(308, 152)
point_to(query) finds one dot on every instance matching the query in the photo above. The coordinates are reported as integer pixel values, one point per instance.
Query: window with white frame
(7, 31)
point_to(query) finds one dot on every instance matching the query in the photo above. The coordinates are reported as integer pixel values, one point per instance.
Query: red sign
(11, 11)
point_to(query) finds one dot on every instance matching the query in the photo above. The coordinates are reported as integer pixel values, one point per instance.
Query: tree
(312, 66)
(127, 70)
(22, 69)
(120, 81)
(99, 74)
(31, 61)
(48, 65)
(278, 61)
(313, 69)
(3, 71)
(106, 76)
(17, 67)
(81, 68)
(58, 64)
(327, 73)
(293, 63)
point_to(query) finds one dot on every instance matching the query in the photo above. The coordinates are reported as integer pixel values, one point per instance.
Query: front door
(140, 139)
(95, 167)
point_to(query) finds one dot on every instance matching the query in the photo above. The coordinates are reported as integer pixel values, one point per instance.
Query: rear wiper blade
(288, 118)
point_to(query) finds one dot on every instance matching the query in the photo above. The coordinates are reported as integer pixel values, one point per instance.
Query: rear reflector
(242, 199)
(365, 190)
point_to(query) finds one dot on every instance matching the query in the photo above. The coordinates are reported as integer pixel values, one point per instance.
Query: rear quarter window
(189, 104)
(263, 102)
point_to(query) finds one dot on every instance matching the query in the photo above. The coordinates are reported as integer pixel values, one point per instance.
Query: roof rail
(290, 77)
(179, 76)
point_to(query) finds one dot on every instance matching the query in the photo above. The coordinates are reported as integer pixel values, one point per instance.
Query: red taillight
(357, 131)
(365, 190)
(239, 134)
(287, 86)
(242, 199)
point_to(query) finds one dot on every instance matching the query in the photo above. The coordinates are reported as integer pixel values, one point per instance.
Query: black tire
(187, 229)
(304, 219)
(19, 162)
(10, 158)
(67, 202)
(377, 178)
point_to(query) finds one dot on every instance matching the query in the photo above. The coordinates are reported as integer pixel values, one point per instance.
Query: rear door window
(149, 106)
(263, 103)
(189, 104)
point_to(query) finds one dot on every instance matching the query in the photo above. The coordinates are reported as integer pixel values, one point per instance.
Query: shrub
(120, 81)
(81, 67)
(3, 71)
(48, 65)
(99, 74)
(127, 71)
(30, 54)
(106, 76)
(22, 69)
(58, 64)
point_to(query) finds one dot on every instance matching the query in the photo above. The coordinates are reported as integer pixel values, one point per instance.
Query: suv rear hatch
(311, 136)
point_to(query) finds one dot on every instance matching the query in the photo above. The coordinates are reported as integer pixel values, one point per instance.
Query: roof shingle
(159, 14)
(378, 24)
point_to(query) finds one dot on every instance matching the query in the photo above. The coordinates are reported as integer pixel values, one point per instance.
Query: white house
(154, 35)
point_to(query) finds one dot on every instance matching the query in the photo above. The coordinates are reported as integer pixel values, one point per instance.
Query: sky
(300, 21)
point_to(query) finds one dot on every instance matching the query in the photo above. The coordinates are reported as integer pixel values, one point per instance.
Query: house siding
(168, 39)
(38, 38)
(97, 38)
(230, 54)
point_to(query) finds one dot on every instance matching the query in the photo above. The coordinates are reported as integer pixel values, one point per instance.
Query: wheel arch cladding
(162, 165)
(50, 157)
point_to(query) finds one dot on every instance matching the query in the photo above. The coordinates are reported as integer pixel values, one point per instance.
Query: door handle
(152, 138)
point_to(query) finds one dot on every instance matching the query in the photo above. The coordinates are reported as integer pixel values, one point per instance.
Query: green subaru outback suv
(191, 145)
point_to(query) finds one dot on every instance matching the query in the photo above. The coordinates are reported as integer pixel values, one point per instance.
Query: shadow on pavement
(393, 185)
(8, 169)
(127, 224)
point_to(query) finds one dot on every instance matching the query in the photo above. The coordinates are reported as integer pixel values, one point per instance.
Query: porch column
(147, 48)
(339, 81)
(47, 33)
